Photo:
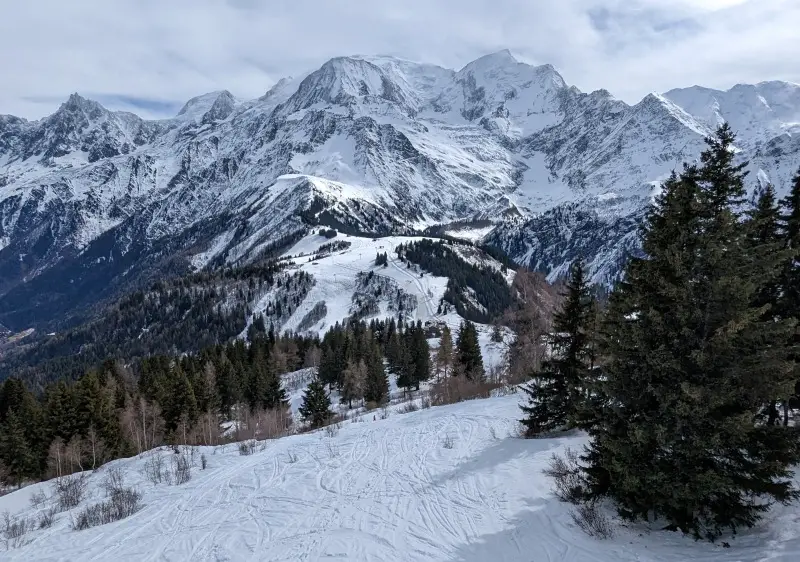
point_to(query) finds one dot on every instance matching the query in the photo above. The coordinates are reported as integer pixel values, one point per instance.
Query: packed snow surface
(384, 490)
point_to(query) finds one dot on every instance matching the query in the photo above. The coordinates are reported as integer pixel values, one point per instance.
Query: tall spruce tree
(558, 393)
(690, 362)
(376, 388)
(420, 356)
(16, 451)
(789, 303)
(316, 407)
(469, 360)
(765, 238)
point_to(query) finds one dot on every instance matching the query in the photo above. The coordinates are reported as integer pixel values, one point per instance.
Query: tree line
(478, 293)
(175, 316)
(118, 410)
(684, 382)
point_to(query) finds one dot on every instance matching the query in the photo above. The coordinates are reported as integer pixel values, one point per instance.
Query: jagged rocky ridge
(95, 202)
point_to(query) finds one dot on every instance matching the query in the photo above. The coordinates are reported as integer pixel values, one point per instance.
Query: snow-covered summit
(93, 200)
(757, 112)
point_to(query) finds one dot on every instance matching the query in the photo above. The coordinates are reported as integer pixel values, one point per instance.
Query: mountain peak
(342, 80)
(502, 58)
(218, 102)
(76, 102)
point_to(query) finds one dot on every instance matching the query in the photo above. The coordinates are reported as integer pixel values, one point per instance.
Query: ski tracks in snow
(447, 484)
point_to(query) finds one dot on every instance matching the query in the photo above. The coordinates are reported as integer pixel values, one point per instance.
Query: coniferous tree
(15, 450)
(690, 362)
(444, 354)
(557, 395)
(469, 360)
(275, 396)
(763, 222)
(182, 404)
(420, 356)
(316, 407)
(376, 387)
(789, 303)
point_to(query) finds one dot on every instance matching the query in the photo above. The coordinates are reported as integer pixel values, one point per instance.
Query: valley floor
(450, 483)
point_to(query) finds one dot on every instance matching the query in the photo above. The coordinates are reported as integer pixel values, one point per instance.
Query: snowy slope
(340, 280)
(93, 201)
(379, 490)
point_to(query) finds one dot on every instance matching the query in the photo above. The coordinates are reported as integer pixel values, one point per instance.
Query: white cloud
(164, 52)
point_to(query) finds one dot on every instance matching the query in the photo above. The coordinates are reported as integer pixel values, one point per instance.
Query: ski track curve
(384, 490)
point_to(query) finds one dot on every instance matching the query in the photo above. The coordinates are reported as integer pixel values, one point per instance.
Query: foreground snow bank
(449, 483)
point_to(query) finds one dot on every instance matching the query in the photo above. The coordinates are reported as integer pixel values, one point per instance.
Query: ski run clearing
(450, 483)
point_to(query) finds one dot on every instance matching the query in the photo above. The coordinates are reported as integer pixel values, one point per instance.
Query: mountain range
(96, 202)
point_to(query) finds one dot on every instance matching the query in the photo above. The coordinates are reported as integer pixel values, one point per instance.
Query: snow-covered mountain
(94, 201)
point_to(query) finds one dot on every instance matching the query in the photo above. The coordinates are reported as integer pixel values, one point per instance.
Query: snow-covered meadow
(450, 483)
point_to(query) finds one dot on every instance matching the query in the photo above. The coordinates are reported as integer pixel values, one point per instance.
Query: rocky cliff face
(94, 201)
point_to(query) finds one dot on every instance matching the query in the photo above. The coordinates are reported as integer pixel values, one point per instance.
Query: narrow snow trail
(443, 484)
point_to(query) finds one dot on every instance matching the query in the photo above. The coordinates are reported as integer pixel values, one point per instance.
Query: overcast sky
(150, 56)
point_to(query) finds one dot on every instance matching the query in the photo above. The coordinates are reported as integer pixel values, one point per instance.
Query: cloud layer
(149, 56)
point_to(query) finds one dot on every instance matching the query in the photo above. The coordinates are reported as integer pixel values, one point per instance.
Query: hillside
(449, 483)
(314, 284)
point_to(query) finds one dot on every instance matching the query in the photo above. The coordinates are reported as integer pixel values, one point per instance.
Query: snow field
(450, 483)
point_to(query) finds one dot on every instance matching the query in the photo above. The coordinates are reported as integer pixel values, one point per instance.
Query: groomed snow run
(384, 490)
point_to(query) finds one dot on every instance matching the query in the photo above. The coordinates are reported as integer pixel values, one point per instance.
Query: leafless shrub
(409, 407)
(69, 490)
(333, 449)
(452, 390)
(47, 518)
(14, 530)
(203, 461)
(332, 430)
(181, 470)
(384, 412)
(123, 503)
(592, 521)
(566, 473)
(38, 498)
(154, 468)
(448, 442)
(247, 447)
(425, 401)
(270, 424)
(291, 457)
(114, 480)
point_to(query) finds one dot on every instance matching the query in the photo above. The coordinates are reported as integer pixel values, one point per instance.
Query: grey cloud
(171, 51)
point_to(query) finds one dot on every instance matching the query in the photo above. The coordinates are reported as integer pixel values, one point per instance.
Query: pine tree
(763, 222)
(444, 354)
(469, 361)
(205, 388)
(376, 387)
(789, 303)
(316, 407)
(420, 356)
(690, 362)
(557, 395)
(275, 395)
(15, 450)
(182, 405)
